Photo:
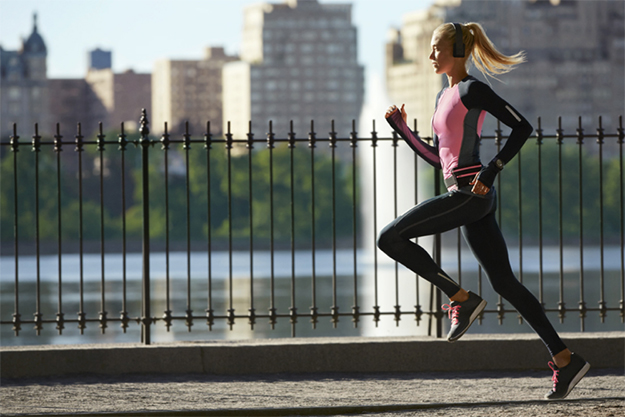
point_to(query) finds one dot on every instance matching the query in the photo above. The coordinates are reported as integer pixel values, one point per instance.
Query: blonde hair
(481, 49)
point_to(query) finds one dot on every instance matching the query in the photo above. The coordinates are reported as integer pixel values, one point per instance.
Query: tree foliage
(257, 191)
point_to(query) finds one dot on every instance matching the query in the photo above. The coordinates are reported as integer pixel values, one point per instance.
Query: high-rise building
(115, 98)
(189, 90)
(24, 85)
(575, 59)
(298, 63)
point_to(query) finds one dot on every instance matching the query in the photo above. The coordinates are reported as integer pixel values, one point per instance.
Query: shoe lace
(556, 372)
(452, 312)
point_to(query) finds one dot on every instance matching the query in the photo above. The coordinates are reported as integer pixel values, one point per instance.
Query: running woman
(470, 201)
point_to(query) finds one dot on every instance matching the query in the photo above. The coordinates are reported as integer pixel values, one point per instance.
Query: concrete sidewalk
(468, 394)
(481, 375)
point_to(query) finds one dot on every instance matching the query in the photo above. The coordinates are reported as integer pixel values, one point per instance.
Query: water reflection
(395, 286)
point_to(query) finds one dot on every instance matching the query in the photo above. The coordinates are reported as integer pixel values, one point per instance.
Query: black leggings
(475, 214)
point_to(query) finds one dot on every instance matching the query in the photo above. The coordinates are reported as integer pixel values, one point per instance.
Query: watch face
(499, 163)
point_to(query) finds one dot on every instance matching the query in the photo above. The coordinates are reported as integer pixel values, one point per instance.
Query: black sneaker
(565, 379)
(463, 314)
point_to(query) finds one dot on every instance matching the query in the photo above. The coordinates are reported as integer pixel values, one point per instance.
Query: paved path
(466, 394)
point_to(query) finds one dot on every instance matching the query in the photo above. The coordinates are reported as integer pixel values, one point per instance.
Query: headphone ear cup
(459, 44)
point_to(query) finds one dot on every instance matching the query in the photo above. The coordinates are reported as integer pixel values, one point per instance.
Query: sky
(140, 32)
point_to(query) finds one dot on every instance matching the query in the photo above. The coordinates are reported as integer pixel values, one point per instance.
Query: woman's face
(442, 55)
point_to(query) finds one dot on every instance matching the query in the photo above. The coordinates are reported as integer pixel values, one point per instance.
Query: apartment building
(189, 90)
(298, 63)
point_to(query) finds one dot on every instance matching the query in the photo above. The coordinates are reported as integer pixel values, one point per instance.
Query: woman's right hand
(394, 108)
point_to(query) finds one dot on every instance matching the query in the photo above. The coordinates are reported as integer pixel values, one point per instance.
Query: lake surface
(239, 281)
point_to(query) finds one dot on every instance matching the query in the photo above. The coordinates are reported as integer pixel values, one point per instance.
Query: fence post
(437, 258)
(146, 320)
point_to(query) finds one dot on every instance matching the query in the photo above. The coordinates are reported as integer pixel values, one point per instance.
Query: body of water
(240, 282)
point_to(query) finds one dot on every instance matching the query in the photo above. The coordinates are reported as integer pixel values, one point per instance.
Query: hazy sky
(141, 31)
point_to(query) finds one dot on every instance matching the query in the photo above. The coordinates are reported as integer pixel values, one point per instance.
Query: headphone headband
(459, 44)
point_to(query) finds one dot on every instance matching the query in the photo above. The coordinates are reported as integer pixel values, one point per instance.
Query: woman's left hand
(478, 187)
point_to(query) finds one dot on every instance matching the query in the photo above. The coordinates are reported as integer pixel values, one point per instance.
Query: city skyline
(134, 48)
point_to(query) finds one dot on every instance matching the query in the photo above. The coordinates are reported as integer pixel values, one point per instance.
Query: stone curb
(308, 355)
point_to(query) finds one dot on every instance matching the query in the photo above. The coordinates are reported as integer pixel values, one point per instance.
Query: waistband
(462, 176)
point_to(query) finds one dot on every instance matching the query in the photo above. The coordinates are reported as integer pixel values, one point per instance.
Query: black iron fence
(283, 229)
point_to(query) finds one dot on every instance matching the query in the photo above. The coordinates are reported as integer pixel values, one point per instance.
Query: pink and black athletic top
(457, 125)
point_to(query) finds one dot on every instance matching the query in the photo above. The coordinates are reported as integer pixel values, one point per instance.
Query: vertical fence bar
(165, 141)
(210, 312)
(539, 144)
(17, 323)
(250, 148)
(417, 308)
(312, 139)
(397, 307)
(602, 303)
(82, 317)
(229, 144)
(438, 259)
(374, 146)
(621, 137)
(498, 138)
(122, 148)
(58, 144)
(146, 320)
(36, 149)
(293, 308)
(560, 141)
(335, 308)
(580, 165)
(272, 308)
(186, 146)
(353, 143)
(103, 313)
(520, 223)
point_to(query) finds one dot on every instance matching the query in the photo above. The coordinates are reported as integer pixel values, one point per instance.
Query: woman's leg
(439, 214)
(489, 247)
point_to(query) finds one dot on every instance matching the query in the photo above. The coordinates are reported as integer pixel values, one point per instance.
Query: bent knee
(387, 238)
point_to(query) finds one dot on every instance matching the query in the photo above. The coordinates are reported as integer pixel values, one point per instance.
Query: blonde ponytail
(485, 55)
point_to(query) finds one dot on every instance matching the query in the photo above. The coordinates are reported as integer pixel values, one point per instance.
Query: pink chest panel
(447, 123)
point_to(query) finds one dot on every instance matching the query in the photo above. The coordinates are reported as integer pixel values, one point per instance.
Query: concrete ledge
(309, 355)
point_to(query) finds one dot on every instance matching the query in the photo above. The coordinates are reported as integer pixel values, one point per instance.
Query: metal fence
(297, 202)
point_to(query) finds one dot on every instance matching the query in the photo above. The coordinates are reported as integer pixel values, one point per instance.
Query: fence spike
(36, 139)
(144, 129)
(165, 138)
(208, 136)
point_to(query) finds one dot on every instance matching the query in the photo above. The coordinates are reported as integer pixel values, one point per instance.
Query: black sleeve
(482, 96)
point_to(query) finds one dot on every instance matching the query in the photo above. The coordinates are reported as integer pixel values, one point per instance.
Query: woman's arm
(481, 95)
(429, 153)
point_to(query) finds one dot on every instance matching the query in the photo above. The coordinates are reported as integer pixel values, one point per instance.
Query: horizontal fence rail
(278, 229)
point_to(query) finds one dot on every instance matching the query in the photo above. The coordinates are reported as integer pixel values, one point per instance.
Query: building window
(333, 84)
(14, 109)
(15, 93)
